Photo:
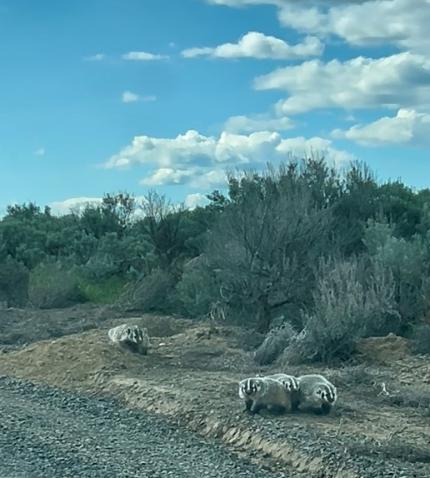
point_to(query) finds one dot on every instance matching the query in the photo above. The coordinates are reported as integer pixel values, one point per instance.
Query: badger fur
(291, 384)
(289, 381)
(131, 337)
(264, 392)
(316, 393)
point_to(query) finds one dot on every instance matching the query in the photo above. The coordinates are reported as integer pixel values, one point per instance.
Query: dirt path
(45, 432)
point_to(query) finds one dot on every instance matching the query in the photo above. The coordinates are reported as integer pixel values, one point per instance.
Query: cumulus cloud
(394, 81)
(143, 56)
(408, 126)
(403, 23)
(75, 205)
(260, 122)
(195, 199)
(201, 161)
(260, 46)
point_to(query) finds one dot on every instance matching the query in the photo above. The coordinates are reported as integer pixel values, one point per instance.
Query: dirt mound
(74, 361)
(384, 350)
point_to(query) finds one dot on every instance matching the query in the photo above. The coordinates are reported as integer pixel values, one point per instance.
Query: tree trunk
(264, 316)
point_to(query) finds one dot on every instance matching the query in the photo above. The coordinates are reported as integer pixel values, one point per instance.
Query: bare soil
(379, 428)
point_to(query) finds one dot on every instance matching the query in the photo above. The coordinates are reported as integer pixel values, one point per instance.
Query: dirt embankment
(380, 428)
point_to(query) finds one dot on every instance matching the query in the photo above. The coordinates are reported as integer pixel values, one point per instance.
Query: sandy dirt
(380, 426)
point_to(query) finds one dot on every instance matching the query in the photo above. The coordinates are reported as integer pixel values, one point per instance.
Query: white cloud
(40, 152)
(260, 122)
(130, 97)
(316, 146)
(407, 126)
(403, 23)
(143, 56)
(201, 161)
(96, 57)
(258, 45)
(195, 199)
(168, 176)
(395, 81)
(76, 205)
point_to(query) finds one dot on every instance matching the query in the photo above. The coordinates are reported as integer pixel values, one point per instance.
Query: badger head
(250, 386)
(325, 394)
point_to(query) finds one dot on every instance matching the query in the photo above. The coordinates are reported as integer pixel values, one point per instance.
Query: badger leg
(255, 407)
(325, 409)
(295, 405)
(248, 404)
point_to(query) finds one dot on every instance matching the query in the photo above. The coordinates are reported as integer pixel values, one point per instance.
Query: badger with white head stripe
(316, 393)
(291, 385)
(289, 381)
(131, 337)
(264, 392)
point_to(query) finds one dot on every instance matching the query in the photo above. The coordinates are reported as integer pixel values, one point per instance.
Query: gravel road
(46, 432)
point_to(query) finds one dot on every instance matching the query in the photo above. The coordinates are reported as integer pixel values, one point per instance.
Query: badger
(264, 392)
(316, 393)
(289, 381)
(291, 384)
(131, 337)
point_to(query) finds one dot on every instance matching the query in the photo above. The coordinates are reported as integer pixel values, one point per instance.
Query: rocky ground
(46, 432)
(380, 427)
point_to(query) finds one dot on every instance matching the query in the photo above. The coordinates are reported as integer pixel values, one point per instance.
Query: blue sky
(105, 95)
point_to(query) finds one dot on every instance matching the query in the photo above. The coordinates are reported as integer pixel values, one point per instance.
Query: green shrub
(276, 341)
(408, 263)
(349, 301)
(14, 279)
(107, 291)
(155, 292)
(197, 290)
(52, 286)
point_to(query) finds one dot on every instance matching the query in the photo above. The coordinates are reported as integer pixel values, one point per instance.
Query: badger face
(290, 384)
(251, 386)
(325, 394)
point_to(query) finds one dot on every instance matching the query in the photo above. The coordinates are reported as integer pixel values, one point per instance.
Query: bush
(14, 278)
(349, 301)
(408, 263)
(197, 289)
(106, 291)
(51, 286)
(155, 292)
(276, 341)
(421, 339)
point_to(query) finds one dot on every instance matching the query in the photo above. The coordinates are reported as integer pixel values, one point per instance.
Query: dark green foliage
(14, 279)
(197, 290)
(408, 262)
(52, 286)
(338, 254)
(266, 242)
